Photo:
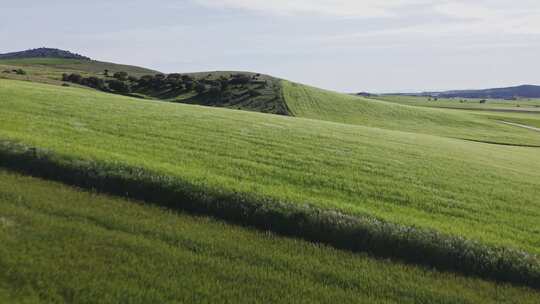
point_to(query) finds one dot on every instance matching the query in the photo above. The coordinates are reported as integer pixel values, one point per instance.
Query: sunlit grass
(482, 192)
(308, 102)
(60, 244)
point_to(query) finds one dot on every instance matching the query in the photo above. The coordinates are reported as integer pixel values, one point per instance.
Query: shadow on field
(360, 234)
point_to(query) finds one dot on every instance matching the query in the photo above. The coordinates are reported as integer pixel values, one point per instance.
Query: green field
(407, 180)
(485, 192)
(64, 245)
(60, 66)
(261, 94)
(314, 103)
(519, 105)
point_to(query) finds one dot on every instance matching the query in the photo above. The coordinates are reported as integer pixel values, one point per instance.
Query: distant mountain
(523, 91)
(43, 53)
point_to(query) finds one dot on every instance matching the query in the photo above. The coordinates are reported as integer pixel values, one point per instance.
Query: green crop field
(483, 192)
(451, 189)
(200, 167)
(60, 244)
(309, 102)
(518, 105)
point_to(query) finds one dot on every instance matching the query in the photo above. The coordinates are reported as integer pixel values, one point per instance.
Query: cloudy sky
(344, 45)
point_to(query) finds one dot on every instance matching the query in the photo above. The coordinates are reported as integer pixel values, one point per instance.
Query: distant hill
(43, 53)
(524, 91)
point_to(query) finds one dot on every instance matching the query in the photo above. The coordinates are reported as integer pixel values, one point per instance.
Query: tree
(189, 85)
(94, 82)
(224, 83)
(145, 81)
(118, 86)
(75, 78)
(122, 76)
(240, 79)
(200, 88)
(106, 73)
(186, 78)
(254, 93)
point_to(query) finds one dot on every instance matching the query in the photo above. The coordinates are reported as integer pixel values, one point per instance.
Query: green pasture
(63, 245)
(308, 102)
(483, 192)
(518, 105)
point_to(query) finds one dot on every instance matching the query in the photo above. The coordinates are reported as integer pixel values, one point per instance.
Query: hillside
(51, 69)
(308, 102)
(43, 53)
(270, 171)
(263, 93)
(235, 90)
(391, 176)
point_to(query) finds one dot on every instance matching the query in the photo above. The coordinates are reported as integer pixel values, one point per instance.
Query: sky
(343, 45)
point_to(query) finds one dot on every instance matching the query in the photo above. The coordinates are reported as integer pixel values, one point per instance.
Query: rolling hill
(245, 90)
(226, 163)
(523, 91)
(431, 204)
(263, 93)
(308, 102)
(43, 53)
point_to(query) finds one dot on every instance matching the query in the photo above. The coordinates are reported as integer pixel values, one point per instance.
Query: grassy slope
(484, 192)
(532, 105)
(528, 112)
(268, 98)
(72, 65)
(309, 102)
(53, 234)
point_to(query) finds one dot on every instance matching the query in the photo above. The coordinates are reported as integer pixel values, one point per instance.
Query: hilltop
(230, 89)
(43, 53)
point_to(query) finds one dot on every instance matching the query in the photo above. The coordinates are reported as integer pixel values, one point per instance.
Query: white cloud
(346, 8)
(479, 16)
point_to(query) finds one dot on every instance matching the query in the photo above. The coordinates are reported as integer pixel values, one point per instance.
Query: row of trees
(107, 85)
(123, 83)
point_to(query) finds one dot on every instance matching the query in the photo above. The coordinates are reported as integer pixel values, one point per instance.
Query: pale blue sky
(345, 45)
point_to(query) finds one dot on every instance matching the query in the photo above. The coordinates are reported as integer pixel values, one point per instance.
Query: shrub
(20, 72)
